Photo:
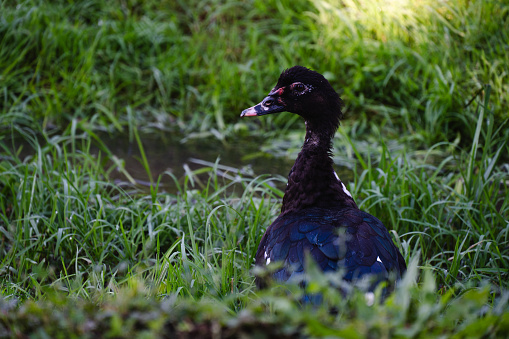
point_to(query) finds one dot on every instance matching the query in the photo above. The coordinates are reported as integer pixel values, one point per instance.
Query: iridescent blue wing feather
(349, 239)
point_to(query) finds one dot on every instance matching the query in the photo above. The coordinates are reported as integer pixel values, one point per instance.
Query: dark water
(174, 156)
(170, 154)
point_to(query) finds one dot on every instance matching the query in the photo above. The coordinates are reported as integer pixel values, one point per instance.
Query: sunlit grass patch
(417, 63)
(194, 66)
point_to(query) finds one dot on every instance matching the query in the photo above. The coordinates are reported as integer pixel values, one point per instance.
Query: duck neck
(312, 181)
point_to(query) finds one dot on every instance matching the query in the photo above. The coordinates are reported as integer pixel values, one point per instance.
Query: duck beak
(268, 105)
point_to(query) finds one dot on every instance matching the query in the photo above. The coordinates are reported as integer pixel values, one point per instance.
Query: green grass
(425, 136)
(194, 65)
(61, 213)
(67, 230)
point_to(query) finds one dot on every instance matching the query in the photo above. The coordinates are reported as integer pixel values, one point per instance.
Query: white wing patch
(370, 298)
(265, 255)
(336, 175)
(378, 259)
(347, 192)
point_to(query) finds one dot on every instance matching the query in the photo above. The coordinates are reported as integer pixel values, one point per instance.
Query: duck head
(304, 92)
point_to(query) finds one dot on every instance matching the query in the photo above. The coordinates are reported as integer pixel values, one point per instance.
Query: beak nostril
(268, 102)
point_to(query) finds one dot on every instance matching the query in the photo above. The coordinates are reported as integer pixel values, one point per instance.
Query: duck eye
(299, 87)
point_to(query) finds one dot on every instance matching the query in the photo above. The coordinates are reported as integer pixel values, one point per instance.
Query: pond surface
(174, 156)
(170, 154)
(164, 153)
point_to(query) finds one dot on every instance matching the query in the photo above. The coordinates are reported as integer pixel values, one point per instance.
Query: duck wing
(347, 239)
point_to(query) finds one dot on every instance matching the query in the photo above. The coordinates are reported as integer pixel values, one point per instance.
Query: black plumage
(319, 215)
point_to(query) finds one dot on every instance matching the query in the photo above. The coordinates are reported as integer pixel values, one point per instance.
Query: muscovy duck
(319, 215)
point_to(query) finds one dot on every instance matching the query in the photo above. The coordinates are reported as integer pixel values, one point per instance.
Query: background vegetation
(425, 85)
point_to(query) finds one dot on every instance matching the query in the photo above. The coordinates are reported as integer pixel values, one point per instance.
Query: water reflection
(172, 155)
